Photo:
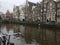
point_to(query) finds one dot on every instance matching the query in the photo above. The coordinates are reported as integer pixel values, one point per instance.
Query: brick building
(58, 11)
(16, 12)
(30, 11)
(37, 12)
(51, 12)
(8, 15)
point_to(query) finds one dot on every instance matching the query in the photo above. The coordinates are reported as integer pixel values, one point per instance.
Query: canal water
(31, 35)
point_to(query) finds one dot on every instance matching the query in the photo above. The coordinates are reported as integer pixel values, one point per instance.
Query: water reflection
(31, 35)
(42, 36)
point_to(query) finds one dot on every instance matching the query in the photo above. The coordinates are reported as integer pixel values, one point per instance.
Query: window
(50, 4)
(44, 9)
(58, 5)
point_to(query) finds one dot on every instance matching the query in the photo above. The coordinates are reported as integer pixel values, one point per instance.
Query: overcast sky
(9, 4)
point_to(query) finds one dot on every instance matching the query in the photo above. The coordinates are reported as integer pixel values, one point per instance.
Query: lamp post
(26, 18)
(56, 13)
(42, 10)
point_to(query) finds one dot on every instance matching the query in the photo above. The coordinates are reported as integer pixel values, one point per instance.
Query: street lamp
(42, 10)
(26, 15)
(56, 12)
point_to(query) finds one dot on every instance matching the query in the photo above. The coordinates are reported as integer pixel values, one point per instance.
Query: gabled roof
(32, 4)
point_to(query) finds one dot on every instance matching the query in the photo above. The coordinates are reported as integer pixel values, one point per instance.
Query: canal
(31, 35)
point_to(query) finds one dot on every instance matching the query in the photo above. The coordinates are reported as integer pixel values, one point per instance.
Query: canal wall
(49, 25)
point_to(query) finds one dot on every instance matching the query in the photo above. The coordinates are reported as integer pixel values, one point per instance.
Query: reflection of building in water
(42, 36)
(35, 34)
(19, 30)
(38, 35)
(9, 27)
(22, 29)
(28, 33)
(16, 28)
(58, 37)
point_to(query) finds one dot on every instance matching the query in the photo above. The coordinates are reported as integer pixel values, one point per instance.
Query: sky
(9, 4)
